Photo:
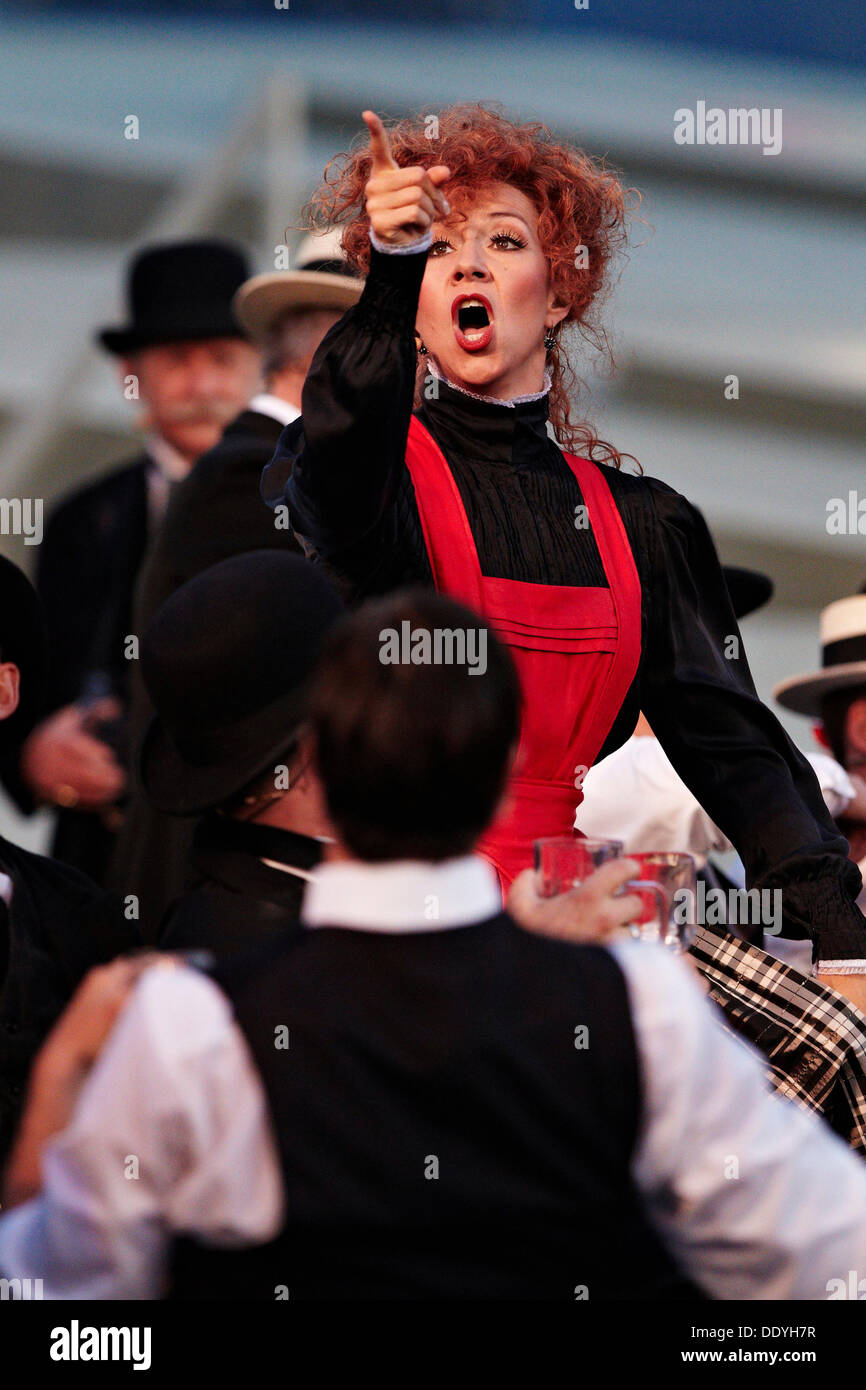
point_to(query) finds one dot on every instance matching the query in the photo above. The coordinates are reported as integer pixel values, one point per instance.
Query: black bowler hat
(180, 291)
(749, 589)
(22, 641)
(226, 661)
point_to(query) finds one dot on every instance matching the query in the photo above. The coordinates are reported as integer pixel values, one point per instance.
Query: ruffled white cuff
(411, 248)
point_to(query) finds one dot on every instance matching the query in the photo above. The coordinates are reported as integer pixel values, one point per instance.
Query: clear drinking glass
(675, 926)
(564, 861)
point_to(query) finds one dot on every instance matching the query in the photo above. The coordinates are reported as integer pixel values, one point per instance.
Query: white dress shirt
(167, 466)
(267, 404)
(754, 1197)
(637, 796)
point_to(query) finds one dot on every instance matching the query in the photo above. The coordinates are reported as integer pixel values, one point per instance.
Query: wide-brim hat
(23, 641)
(748, 589)
(843, 658)
(180, 291)
(226, 662)
(321, 280)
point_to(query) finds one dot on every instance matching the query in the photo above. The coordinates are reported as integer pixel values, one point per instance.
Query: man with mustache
(184, 358)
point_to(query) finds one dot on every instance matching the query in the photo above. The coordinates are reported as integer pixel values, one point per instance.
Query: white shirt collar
(275, 407)
(406, 895)
(170, 462)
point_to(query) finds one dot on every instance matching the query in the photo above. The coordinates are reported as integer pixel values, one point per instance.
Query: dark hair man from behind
(414, 767)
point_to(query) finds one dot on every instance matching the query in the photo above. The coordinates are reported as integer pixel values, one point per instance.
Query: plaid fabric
(814, 1040)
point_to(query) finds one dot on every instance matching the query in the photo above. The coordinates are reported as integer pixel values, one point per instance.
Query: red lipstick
(472, 320)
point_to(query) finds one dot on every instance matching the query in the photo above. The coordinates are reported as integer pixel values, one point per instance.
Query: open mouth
(472, 317)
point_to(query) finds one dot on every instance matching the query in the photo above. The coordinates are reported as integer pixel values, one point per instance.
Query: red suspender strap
(625, 590)
(449, 540)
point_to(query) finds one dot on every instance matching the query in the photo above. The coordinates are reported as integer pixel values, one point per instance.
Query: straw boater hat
(321, 280)
(843, 658)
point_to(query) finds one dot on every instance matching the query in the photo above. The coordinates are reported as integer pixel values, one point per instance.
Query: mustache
(218, 411)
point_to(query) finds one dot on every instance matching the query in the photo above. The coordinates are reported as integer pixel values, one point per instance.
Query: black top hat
(22, 641)
(180, 291)
(749, 589)
(226, 662)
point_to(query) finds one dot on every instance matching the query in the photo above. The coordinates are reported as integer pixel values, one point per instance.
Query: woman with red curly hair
(432, 449)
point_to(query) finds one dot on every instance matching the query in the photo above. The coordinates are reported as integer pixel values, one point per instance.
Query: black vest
(455, 1112)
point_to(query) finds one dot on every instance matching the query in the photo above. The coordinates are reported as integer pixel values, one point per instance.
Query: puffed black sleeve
(730, 750)
(339, 467)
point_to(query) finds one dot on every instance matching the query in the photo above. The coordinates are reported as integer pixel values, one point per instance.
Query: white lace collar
(491, 400)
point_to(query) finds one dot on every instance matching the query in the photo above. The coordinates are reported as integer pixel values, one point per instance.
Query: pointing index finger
(380, 148)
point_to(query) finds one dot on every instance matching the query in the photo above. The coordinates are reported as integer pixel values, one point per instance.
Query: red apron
(576, 649)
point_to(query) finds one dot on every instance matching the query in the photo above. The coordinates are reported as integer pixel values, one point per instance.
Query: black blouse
(341, 470)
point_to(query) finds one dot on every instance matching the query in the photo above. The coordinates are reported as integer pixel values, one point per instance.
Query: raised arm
(339, 466)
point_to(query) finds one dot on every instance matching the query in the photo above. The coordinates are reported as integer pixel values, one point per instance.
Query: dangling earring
(549, 340)
(422, 347)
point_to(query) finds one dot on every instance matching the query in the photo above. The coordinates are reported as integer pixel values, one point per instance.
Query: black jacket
(89, 560)
(89, 563)
(342, 471)
(214, 513)
(58, 927)
(235, 901)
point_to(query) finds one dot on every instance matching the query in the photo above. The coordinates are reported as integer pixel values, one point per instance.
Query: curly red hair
(580, 203)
